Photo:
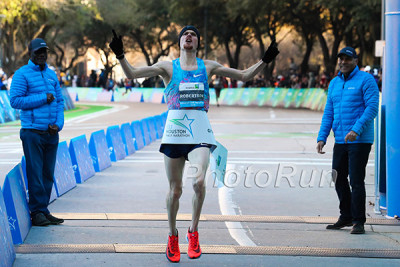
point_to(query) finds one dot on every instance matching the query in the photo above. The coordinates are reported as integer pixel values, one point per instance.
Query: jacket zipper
(341, 103)
(47, 91)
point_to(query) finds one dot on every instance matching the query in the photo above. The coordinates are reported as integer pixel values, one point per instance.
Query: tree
(265, 20)
(304, 17)
(24, 20)
(224, 28)
(364, 29)
(145, 25)
(68, 36)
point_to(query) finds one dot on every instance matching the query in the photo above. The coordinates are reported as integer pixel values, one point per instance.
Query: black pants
(40, 150)
(351, 160)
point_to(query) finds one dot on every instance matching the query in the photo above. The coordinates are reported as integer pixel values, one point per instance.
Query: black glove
(53, 129)
(271, 52)
(117, 46)
(50, 98)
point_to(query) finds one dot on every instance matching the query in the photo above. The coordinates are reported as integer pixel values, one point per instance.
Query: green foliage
(151, 27)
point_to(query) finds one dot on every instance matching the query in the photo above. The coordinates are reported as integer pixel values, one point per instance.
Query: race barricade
(16, 203)
(99, 151)
(137, 133)
(147, 94)
(2, 120)
(115, 143)
(233, 96)
(290, 98)
(64, 177)
(104, 96)
(300, 97)
(127, 138)
(159, 126)
(7, 252)
(81, 160)
(68, 103)
(278, 97)
(213, 97)
(146, 132)
(249, 97)
(120, 95)
(8, 113)
(158, 96)
(135, 96)
(309, 98)
(152, 128)
(222, 95)
(264, 97)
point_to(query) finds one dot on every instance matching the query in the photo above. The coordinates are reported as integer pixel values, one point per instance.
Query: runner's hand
(117, 46)
(271, 52)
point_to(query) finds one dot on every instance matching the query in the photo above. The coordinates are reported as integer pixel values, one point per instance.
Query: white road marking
(272, 113)
(253, 161)
(227, 207)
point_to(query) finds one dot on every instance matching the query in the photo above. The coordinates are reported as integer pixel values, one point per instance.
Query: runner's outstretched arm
(160, 68)
(247, 74)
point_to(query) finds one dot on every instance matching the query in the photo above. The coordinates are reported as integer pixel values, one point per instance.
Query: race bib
(191, 95)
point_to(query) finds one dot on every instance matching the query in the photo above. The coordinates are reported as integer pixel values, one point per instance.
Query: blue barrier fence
(74, 164)
(15, 199)
(99, 151)
(81, 160)
(115, 143)
(310, 98)
(7, 253)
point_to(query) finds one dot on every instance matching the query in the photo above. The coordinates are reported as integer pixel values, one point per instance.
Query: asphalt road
(276, 184)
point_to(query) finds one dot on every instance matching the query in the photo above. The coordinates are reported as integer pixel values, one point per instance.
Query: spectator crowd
(291, 79)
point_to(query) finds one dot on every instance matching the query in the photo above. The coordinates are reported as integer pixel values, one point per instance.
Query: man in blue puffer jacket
(36, 92)
(351, 106)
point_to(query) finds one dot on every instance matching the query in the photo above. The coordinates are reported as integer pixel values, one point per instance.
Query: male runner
(187, 93)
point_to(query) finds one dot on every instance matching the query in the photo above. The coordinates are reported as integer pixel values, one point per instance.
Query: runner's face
(189, 40)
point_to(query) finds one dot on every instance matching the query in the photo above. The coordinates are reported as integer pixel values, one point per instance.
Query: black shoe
(339, 224)
(39, 219)
(54, 220)
(358, 228)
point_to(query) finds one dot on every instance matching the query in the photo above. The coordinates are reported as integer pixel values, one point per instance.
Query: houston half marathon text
(177, 133)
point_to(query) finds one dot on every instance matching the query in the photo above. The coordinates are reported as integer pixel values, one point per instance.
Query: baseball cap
(348, 51)
(36, 44)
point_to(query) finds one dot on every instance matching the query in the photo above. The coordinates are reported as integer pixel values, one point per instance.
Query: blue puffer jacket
(28, 93)
(352, 105)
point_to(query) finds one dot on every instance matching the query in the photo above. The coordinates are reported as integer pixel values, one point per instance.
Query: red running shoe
(173, 254)
(194, 250)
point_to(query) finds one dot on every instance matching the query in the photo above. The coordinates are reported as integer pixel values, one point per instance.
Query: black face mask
(39, 57)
